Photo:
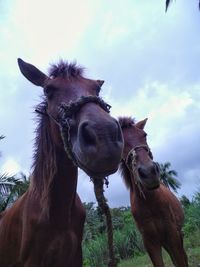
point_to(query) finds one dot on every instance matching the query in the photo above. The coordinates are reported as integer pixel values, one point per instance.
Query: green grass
(144, 261)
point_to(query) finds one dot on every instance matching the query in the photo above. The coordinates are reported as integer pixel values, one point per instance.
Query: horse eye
(145, 134)
(49, 91)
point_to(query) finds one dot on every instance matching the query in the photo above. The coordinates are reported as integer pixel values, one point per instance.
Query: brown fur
(157, 213)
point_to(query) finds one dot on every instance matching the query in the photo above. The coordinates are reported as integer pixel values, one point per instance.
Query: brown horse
(157, 212)
(45, 226)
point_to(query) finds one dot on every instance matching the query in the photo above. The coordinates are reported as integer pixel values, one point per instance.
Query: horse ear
(31, 73)
(100, 82)
(141, 124)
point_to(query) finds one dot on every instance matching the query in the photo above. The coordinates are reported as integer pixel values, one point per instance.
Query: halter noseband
(132, 153)
(65, 115)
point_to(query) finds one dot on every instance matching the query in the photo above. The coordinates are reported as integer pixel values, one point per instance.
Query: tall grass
(127, 243)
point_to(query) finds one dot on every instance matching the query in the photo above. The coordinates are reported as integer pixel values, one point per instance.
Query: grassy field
(144, 261)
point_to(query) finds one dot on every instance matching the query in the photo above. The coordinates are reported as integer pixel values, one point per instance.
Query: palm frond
(11, 188)
(6, 182)
(167, 3)
(168, 176)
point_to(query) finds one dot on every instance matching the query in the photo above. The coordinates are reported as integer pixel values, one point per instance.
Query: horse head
(79, 118)
(137, 155)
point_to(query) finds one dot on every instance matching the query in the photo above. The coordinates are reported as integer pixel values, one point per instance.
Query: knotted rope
(131, 163)
(102, 202)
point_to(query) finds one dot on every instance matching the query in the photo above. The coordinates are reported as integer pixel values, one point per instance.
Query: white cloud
(10, 166)
(44, 31)
(164, 106)
(148, 59)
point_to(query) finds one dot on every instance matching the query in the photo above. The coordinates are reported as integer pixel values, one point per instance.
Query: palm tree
(185, 201)
(167, 3)
(168, 177)
(11, 188)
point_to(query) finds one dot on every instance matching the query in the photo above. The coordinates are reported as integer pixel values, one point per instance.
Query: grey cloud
(129, 46)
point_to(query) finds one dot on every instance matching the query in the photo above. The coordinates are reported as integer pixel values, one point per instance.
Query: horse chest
(143, 209)
(153, 218)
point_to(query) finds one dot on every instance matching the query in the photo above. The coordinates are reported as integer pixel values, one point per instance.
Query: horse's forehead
(78, 83)
(132, 133)
(129, 131)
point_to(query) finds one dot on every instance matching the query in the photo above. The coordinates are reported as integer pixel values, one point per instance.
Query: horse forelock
(44, 159)
(126, 122)
(66, 70)
(125, 173)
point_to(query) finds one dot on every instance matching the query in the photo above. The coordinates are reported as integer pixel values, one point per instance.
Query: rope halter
(131, 163)
(65, 115)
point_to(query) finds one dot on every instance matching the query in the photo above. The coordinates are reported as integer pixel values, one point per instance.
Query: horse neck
(63, 188)
(136, 190)
(141, 193)
(54, 180)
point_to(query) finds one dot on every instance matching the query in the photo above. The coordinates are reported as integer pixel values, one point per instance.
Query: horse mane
(66, 70)
(125, 173)
(44, 159)
(125, 123)
(2, 214)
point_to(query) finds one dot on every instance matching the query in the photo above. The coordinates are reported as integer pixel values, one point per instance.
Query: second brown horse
(156, 210)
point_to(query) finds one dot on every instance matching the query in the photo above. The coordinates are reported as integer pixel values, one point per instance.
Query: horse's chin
(151, 187)
(95, 174)
(101, 175)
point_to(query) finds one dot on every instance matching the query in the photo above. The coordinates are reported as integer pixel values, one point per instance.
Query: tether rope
(102, 202)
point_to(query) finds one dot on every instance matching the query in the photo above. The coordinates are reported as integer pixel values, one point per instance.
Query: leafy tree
(11, 187)
(192, 219)
(185, 201)
(168, 177)
(93, 223)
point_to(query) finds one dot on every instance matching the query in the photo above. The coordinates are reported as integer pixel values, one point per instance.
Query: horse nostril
(142, 172)
(156, 167)
(87, 134)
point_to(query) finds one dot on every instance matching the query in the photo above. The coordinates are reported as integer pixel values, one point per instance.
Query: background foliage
(128, 244)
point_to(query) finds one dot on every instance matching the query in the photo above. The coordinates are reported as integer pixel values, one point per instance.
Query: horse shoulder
(11, 229)
(78, 217)
(173, 205)
(40, 232)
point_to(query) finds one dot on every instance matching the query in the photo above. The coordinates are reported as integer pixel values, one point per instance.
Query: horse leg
(155, 253)
(177, 252)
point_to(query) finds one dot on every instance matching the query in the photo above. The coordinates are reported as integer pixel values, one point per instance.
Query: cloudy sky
(149, 60)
